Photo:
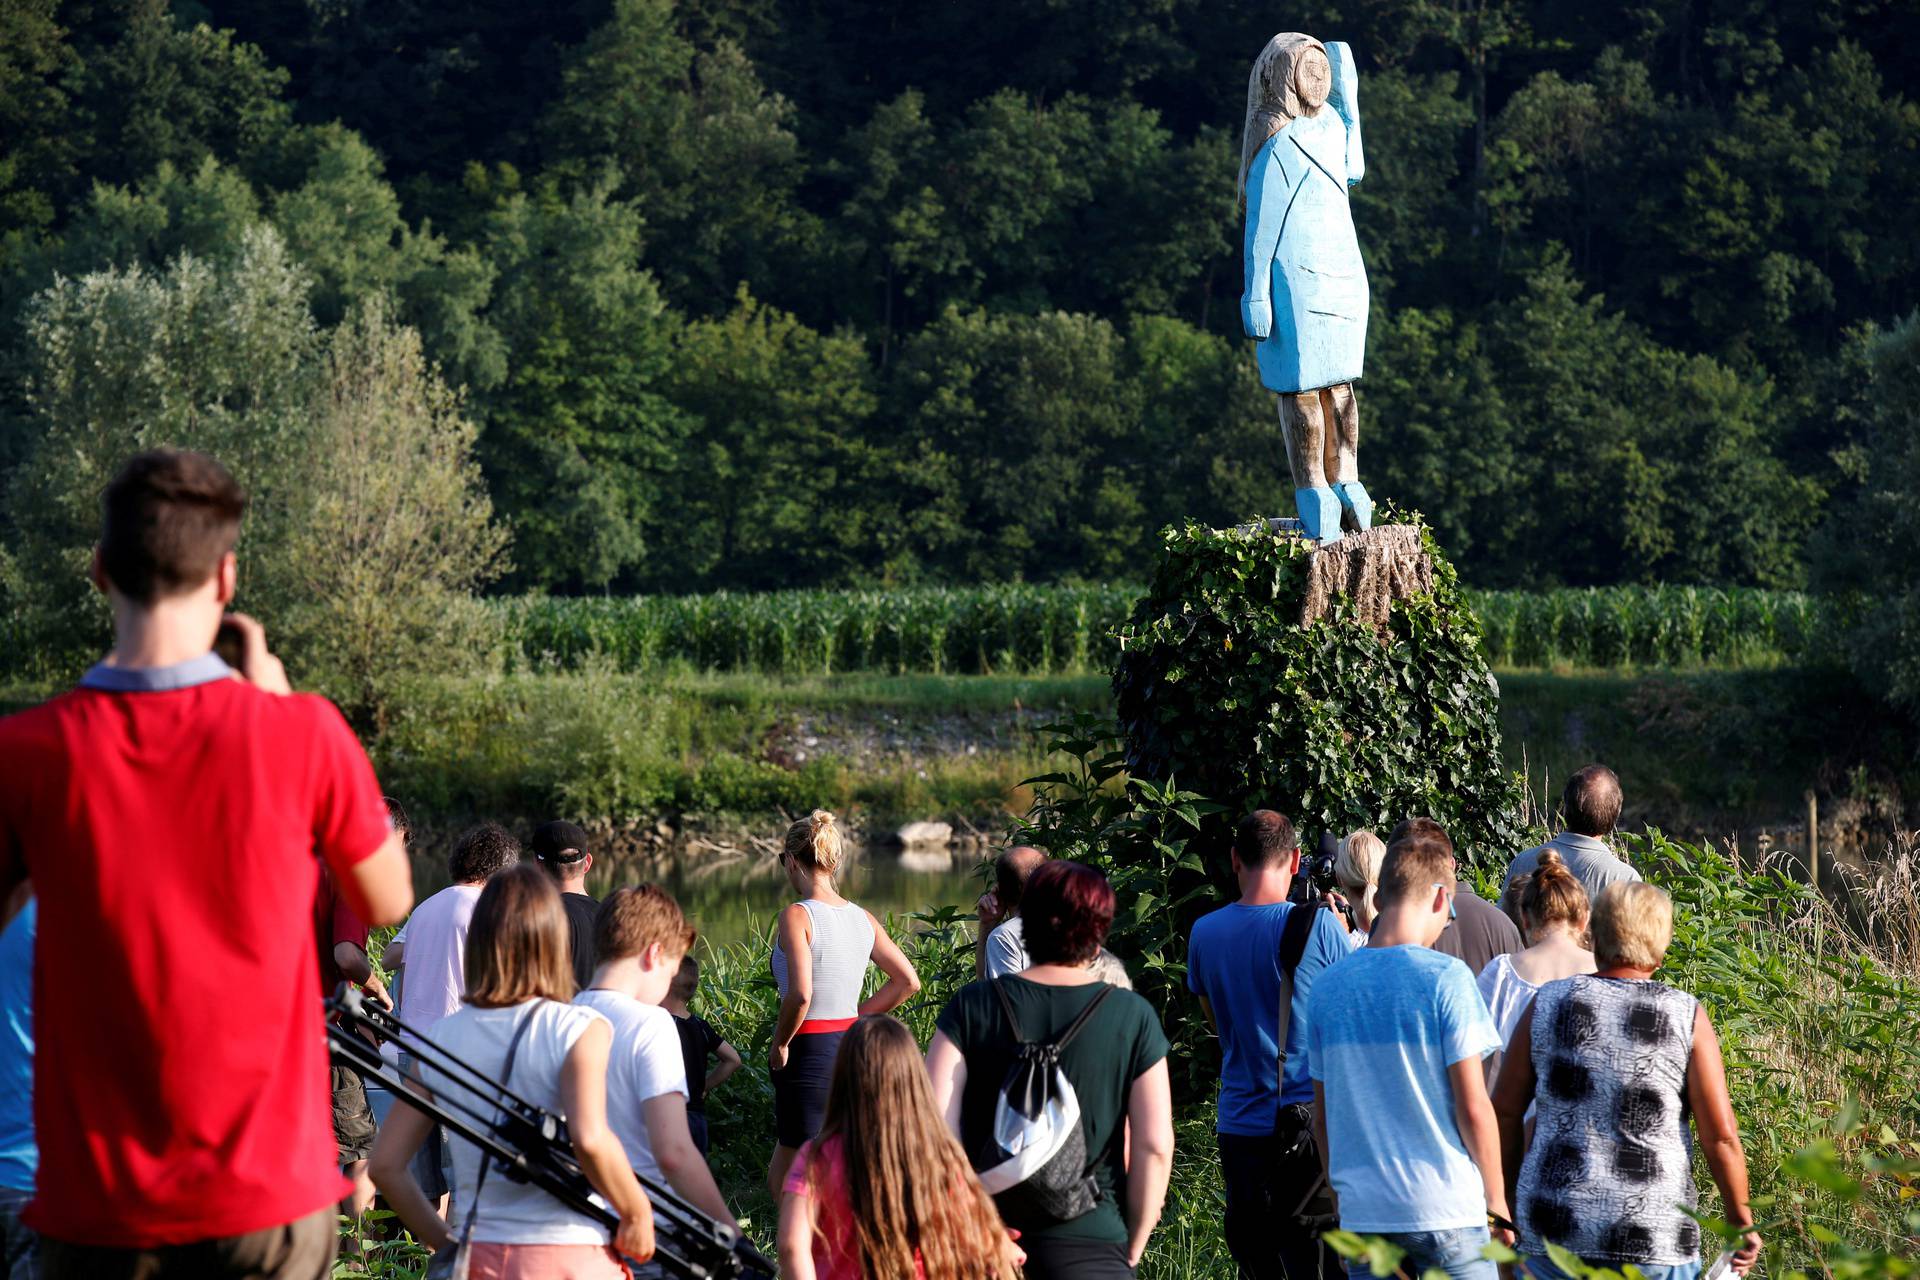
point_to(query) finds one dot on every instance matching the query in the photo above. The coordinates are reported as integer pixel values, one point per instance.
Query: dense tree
(577, 431)
(966, 277)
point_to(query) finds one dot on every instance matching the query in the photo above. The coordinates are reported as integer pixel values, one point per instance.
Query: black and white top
(1612, 1161)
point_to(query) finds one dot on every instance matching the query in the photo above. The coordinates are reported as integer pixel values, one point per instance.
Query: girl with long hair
(519, 971)
(821, 949)
(884, 1192)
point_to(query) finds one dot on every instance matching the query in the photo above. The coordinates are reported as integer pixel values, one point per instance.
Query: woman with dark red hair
(1116, 1063)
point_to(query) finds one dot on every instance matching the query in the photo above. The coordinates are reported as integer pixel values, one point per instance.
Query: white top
(645, 1063)
(842, 945)
(1007, 949)
(1507, 995)
(511, 1212)
(435, 968)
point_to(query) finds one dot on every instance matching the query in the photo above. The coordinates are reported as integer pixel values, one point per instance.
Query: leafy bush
(1220, 688)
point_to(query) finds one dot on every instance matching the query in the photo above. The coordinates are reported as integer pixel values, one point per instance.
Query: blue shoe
(1319, 514)
(1353, 496)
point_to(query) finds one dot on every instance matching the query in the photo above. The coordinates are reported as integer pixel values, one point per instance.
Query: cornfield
(937, 630)
(1064, 630)
(1661, 626)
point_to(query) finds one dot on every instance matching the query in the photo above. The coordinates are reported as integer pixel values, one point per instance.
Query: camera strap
(460, 1249)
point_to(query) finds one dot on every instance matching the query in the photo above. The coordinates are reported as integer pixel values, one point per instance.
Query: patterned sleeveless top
(842, 945)
(1611, 1161)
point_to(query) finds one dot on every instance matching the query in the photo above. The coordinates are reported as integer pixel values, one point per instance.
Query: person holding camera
(1241, 960)
(173, 816)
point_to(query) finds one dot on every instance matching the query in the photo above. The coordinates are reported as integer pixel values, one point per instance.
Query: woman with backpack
(821, 949)
(1106, 1133)
(884, 1190)
(518, 1027)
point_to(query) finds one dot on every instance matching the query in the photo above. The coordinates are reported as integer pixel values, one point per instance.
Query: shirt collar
(204, 669)
(1586, 844)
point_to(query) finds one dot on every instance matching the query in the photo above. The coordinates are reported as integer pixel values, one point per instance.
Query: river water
(736, 901)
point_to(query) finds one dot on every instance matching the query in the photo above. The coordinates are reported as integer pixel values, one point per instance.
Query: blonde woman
(821, 949)
(1357, 871)
(1616, 1065)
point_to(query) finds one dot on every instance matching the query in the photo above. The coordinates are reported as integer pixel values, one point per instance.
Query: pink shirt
(836, 1254)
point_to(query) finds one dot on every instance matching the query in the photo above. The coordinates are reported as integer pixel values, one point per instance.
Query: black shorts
(1052, 1259)
(353, 1126)
(800, 1087)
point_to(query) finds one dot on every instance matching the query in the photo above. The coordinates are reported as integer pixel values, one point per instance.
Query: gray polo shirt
(1592, 863)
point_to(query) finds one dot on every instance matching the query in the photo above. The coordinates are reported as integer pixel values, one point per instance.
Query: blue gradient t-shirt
(19, 1155)
(1382, 1028)
(1233, 961)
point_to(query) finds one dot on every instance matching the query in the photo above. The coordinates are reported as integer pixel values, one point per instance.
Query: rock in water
(923, 835)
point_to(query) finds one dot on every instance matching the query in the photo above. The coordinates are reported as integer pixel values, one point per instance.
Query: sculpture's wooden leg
(1303, 427)
(1342, 412)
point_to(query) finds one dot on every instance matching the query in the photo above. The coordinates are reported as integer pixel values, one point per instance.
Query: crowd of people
(192, 854)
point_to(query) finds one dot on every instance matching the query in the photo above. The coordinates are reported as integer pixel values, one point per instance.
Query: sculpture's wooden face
(1312, 78)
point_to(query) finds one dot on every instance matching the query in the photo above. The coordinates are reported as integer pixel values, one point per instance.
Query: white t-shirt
(1007, 950)
(646, 1062)
(511, 1212)
(434, 973)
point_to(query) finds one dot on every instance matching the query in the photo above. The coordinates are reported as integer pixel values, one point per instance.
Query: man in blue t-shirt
(1395, 1037)
(19, 1154)
(1234, 966)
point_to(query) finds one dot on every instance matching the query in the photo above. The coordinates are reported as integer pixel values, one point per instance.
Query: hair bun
(822, 820)
(1551, 858)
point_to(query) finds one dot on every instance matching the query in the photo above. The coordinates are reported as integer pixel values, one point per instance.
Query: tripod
(528, 1143)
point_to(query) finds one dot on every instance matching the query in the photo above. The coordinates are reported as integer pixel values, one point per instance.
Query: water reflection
(736, 899)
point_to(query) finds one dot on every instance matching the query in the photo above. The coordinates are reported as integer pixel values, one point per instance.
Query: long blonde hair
(1273, 100)
(909, 1187)
(1358, 868)
(816, 842)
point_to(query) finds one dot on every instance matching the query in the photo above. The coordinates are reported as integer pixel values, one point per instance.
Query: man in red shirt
(173, 818)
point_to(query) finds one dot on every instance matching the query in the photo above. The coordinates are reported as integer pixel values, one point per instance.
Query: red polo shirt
(170, 819)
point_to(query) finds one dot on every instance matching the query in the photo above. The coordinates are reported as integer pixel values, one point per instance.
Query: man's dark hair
(481, 852)
(1264, 837)
(1592, 801)
(167, 518)
(1416, 861)
(1011, 870)
(1426, 828)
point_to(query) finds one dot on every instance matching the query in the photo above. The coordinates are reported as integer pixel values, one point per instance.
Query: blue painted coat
(1306, 292)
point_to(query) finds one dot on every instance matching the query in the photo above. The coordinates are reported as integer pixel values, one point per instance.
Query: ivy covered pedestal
(1343, 685)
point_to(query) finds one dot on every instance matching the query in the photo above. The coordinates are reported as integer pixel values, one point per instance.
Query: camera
(1315, 880)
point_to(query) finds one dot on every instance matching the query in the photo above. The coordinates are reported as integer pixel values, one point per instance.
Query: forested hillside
(783, 293)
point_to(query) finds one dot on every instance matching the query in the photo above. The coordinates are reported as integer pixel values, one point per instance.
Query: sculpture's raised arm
(1345, 97)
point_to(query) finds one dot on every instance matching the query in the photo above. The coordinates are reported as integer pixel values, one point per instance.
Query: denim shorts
(1543, 1268)
(1456, 1252)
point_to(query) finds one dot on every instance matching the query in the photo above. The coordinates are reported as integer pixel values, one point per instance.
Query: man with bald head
(1591, 806)
(1003, 949)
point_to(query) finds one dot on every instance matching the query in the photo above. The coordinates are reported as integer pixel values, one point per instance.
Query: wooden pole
(1813, 841)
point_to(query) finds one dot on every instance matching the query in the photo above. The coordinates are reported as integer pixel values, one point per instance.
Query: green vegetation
(1070, 629)
(762, 294)
(1005, 629)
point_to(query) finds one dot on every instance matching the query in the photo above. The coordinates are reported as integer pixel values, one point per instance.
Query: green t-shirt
(1119, 1045)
